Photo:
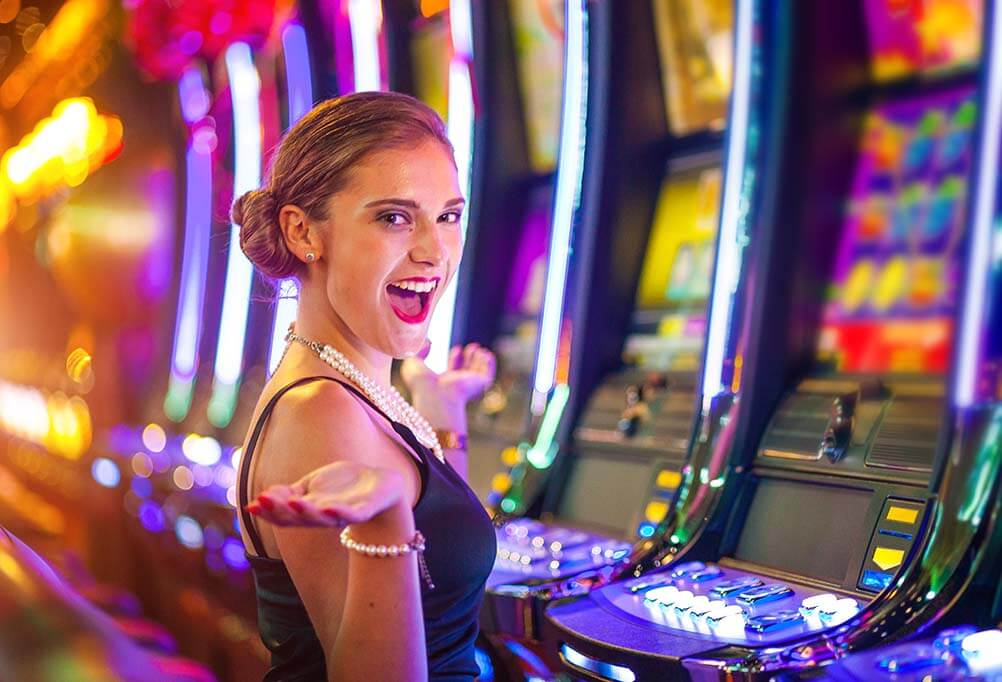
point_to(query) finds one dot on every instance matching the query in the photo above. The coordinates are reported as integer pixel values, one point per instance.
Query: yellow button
(669, 479)
(655, 511)
(888, 558)
(500, 483)
(902, 514)
(510, 456)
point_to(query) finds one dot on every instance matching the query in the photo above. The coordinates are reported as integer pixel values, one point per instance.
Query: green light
(177, 402)
(508, 505)
(543, 451)
(675, 539)
(717, 482)
(930, 595)
(222, 405)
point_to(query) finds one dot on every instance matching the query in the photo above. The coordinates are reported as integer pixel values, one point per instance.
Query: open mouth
(411, 298)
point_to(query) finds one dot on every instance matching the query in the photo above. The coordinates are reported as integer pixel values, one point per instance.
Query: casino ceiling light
(61, 151)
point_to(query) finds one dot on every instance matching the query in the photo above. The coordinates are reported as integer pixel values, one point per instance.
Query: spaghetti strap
(245, 461)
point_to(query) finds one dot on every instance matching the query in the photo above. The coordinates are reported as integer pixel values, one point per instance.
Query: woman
(363, 206)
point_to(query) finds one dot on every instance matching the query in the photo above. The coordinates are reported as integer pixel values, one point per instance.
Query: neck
(317, 321)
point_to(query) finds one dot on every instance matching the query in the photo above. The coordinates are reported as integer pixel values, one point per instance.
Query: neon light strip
(567, 192)
(366, 19)
(984, 209)
(245, 87)
(460, 129)
(728, 264)
(195, 258)
(299, 86)
(542, 452)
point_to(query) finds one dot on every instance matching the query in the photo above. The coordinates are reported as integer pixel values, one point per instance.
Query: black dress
(460, 552)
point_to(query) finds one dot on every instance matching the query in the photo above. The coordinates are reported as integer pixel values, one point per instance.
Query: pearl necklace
(389, 401)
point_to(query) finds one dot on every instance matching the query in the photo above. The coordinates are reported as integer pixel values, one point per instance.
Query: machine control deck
(727, 605)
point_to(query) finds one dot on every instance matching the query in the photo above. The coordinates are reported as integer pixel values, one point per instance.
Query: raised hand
(332, 496)
(471, 370)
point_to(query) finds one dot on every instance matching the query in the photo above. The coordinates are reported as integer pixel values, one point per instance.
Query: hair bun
(261, 239)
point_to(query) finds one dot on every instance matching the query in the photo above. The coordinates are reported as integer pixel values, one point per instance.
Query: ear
(300, 235)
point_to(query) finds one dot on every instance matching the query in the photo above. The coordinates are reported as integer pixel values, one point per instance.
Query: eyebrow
(410, 203)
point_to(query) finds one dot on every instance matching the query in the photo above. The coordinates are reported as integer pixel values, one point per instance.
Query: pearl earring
(310, 257)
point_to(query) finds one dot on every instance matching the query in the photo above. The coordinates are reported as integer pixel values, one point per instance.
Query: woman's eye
(450, 217)
(394, 218)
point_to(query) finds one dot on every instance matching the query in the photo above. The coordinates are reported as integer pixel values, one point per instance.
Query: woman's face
(393, 244)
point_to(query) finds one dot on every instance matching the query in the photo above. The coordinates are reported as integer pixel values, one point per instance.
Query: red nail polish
(296, 505)
(266, 502)
(331, 513)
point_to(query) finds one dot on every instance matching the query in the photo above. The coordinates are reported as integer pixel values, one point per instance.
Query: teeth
(419, 287)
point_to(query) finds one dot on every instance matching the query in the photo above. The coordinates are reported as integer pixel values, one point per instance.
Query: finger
(425, 349)
(277, 513)
(311, 515)
(468, 352)
(455, 357)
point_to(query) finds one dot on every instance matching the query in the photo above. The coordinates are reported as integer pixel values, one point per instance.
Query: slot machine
(634, 317)
(823, 505)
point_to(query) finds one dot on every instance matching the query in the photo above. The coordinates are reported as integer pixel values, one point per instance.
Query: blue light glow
(365, 18)
(245, 86)
(188, 532)
(728, 265)
(619, 673)
(105, 472)
(981, 248)
(570, 165)
(299, 86)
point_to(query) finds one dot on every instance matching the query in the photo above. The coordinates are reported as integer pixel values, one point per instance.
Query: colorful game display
(892, 297)
(675, 279)
(694, 41)
(921, 36)
(538, 27)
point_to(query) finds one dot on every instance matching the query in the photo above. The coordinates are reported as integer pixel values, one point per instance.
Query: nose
(429, 245)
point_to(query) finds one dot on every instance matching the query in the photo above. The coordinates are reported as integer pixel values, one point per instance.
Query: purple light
(151, 517)
(233, 554)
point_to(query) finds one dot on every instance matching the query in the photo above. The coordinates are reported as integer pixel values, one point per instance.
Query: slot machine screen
(431, 50)
(670, 318)
(694, 41)
(892, 298)
(919, 36)
(538, 27)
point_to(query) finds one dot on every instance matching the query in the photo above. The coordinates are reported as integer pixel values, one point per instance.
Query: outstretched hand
(332, 496)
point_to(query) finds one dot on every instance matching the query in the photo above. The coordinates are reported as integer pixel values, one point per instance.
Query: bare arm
(366, 611)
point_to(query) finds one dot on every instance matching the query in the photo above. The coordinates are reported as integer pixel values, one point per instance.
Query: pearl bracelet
(391, 551)
(415, 545)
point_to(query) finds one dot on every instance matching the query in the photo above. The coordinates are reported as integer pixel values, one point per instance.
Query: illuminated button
(983, 650)
(683, 600)
(682, 570)
(902, 514)
(770, 622)
(702, 605)
(887, 558)
(665, 596)
(708, 573)
(656, 511)
(765, 594)
(718, 616)
(838, 611)
(668, 479)
(809, 606)
(735, 585)
(501, 483)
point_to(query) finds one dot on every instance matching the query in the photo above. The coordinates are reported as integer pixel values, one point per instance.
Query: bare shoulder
(318, 423)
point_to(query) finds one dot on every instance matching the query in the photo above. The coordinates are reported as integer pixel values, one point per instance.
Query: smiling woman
(375, 543)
